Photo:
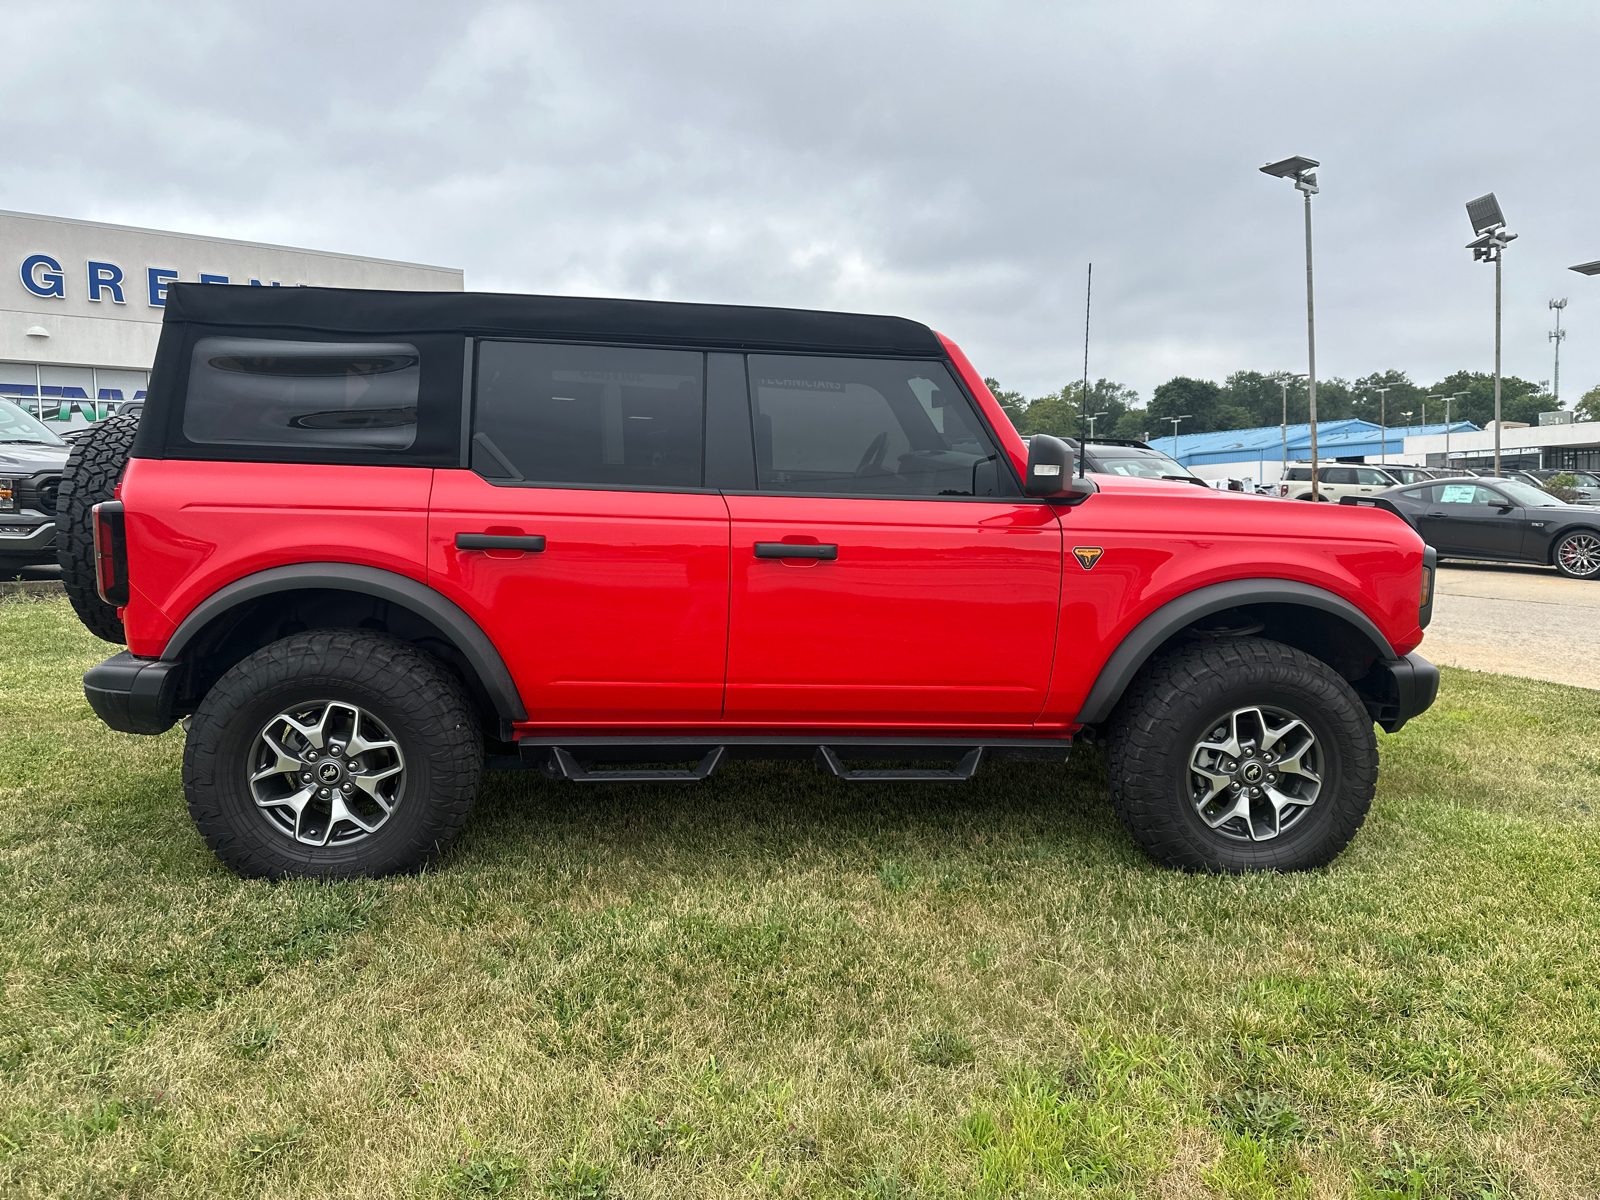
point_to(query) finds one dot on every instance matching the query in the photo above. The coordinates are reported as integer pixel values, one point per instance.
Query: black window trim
(469, 420)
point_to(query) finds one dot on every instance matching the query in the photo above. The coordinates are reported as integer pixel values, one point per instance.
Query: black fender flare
(463, 632)
(1148, 635)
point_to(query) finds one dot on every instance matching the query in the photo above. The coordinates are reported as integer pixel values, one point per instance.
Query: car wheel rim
(326, 773)
(1255, 773)
(1580, 554)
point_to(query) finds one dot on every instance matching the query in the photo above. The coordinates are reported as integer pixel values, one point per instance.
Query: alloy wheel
(1580, 554)
(326, 772)
(1255, 773)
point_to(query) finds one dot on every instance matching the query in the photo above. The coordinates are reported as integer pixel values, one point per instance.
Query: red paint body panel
(623, 617)
(935, 612)
(195, 527)
(1162, 540)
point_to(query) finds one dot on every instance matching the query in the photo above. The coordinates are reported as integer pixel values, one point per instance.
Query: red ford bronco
(371, 543)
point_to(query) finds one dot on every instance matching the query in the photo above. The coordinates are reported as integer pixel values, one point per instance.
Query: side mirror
(1050, 465)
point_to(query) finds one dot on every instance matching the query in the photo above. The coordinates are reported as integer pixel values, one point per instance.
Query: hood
(30, 458)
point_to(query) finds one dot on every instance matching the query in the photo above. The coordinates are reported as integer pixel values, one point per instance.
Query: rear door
(583, 539)
(886, 570)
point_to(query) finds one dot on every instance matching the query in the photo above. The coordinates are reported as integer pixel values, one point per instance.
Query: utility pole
(1558, 336)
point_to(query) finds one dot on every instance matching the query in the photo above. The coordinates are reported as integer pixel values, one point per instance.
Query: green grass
(777, 984)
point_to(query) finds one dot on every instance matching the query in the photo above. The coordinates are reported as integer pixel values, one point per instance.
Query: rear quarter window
(267, 392)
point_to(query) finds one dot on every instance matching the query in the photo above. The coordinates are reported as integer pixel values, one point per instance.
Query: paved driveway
(1516, 621)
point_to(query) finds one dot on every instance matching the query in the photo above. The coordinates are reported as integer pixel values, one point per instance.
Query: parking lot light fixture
(1175, 420)
(1383, 424)
(1092, 418)
(1302, 172)
(1489, 223)
(1592, 268)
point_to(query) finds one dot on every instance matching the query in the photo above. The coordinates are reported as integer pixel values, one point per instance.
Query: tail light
(111, 553)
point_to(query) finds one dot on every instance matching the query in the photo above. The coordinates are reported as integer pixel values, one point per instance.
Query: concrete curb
(32, 587)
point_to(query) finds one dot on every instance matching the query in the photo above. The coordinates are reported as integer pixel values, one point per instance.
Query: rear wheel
(332, 754)
(1577, 555)
(1241, 755)
(93, 470)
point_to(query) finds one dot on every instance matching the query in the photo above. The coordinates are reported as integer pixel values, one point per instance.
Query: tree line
(1248, 399)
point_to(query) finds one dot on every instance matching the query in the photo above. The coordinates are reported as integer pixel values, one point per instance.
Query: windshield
(1141, 464)
(18, 426)
(1528, 497)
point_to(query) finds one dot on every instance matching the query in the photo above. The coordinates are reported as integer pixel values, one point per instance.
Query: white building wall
(81, 302)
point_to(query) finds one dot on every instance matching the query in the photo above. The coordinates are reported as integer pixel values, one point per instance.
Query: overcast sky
(956, 163)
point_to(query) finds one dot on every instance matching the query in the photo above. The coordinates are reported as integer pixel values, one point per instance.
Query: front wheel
(1577, 555)
(332, 754)
(1241, 755)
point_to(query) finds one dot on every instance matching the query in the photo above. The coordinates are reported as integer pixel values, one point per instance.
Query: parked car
(1335, 482)
(1404, 474)
(1502, 520)
(368, 542)
(31, 461)
(1586, 485)
(1134, 459)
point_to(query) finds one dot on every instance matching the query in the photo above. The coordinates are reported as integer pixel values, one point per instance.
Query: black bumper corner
(1397, 689)
(133, 695)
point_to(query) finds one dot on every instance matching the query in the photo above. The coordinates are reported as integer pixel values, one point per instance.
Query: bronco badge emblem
(1087, 556)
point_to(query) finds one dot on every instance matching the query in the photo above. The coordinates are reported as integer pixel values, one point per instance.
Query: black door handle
(792, 550)
(499, 541)
(1436, 514)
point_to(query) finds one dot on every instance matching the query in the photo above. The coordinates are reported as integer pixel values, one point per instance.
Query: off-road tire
(425, 709)
(92, 472)
(1169, 708)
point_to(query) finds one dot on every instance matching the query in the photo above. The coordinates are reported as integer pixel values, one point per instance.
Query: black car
(1503, 520)
(1123, 456)
(31, 459)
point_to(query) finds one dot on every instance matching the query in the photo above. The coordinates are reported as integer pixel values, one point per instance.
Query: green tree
(1011, 402)
(1520, 400)
(1057, 413)
(1588, 406)
(1402, 396)
(1200, 400)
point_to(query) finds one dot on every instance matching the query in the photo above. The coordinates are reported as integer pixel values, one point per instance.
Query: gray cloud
(958, 163)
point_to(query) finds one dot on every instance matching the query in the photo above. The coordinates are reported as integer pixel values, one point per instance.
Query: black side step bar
(605, 759)
(563, 766)
(828, 759)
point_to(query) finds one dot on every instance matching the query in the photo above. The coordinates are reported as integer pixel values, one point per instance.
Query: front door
(887, 572)
(582, 539)
(1463, 520)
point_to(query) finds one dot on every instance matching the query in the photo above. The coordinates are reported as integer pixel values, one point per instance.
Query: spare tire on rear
(92, 473)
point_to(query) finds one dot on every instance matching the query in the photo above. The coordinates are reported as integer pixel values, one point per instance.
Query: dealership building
(80, 310)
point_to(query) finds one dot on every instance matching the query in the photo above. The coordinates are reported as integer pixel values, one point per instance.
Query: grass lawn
(778, 984)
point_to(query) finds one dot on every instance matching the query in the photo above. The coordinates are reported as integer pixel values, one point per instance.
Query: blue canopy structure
(1351, 438)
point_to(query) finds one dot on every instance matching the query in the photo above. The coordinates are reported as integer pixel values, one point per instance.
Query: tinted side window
(1300, 474)
(597, 415)
(266, 392)
(1371, 478)
(867, 426)
(1464, 493)
(1338, 475)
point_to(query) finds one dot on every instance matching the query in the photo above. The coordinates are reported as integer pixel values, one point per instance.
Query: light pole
(1302, 171)
(1284, 428)
(1447, 401)
(1383, 424)
(1092, 418)
(1558, 336)
(1489, 246)
(1175, 420)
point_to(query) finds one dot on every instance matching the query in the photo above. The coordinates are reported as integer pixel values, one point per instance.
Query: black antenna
(1083, 398)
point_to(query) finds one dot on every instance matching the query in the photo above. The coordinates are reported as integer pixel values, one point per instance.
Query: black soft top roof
(356, 310)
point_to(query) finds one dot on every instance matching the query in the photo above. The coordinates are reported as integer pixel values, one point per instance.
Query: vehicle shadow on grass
(751, 816)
